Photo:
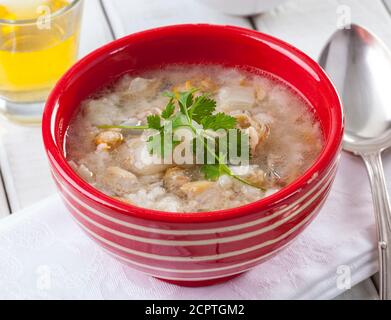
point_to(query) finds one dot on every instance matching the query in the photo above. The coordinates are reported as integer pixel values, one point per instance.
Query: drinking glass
(39, 41)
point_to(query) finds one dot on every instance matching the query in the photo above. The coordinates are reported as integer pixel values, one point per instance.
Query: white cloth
(44, 254)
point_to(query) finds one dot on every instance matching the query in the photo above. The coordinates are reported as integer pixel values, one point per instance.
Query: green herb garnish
(185, 110)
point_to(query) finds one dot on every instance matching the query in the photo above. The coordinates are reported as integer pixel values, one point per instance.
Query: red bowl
(194, 248)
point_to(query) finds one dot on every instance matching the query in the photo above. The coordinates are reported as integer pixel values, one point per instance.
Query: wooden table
(306, 24)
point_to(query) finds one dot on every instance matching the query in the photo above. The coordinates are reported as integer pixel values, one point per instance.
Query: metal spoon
(360, 66)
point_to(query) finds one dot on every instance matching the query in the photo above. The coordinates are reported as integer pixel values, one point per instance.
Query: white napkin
(44, 254)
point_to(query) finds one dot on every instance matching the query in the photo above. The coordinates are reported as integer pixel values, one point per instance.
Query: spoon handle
(381, 204)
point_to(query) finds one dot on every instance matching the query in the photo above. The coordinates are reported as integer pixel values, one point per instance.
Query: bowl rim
(57, 159)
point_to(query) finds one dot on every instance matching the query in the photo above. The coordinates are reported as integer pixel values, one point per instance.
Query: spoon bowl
(360, 65)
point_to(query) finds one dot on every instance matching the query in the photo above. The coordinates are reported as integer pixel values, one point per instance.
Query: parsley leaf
(185, 100)
(214, 171)
(195, 113)
(169, 110)
(179, 120)
(218, 121)
(202, 107)
(211, 171)
(154, 122)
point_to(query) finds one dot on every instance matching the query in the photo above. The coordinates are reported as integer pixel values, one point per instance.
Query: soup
(110, 138)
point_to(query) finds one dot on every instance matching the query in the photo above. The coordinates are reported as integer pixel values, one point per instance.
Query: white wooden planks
(24, 167)
(22, 158)
(131, 16)
(308, 24)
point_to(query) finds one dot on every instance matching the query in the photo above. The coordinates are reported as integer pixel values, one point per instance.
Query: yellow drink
(34, 54)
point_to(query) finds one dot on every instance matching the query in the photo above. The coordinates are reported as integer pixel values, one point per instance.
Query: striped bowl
(194, 248)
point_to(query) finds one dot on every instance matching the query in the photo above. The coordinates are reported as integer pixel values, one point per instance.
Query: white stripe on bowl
(238, 265)
(200, 270)
(328, 175)
(198, 258)
(199, 242)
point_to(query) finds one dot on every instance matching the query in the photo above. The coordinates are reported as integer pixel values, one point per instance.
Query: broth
(284, 139)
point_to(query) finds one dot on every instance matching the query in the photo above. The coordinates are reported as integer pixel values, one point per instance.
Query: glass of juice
(39, 41)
